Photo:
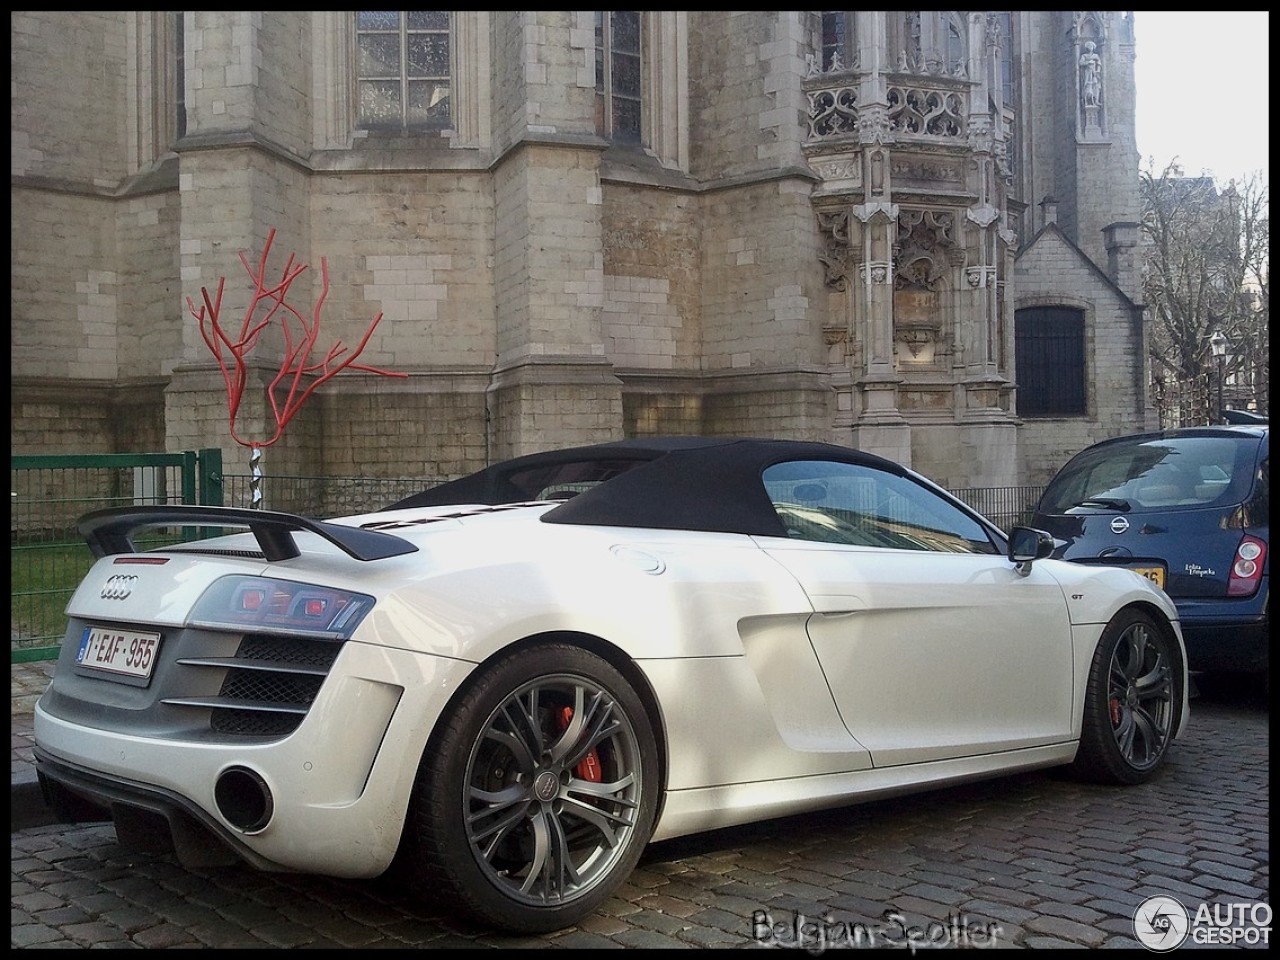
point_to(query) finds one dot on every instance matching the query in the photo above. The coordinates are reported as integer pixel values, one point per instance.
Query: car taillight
(1246, 567)
(263, 604)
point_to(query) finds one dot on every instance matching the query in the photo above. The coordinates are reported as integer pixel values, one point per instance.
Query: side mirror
(1027, 544)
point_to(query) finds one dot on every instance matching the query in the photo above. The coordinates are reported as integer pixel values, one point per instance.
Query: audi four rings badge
(118, 586)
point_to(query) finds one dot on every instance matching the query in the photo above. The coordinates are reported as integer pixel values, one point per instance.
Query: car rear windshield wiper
(1106, 503)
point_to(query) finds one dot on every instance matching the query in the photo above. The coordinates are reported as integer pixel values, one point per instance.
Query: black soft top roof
(674, 483)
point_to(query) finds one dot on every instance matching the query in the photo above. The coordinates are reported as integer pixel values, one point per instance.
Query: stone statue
(1091, 75)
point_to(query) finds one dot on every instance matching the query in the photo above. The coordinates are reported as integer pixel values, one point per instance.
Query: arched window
(1049, 354)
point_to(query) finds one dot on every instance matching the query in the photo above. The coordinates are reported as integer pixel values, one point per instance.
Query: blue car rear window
(1156, 473)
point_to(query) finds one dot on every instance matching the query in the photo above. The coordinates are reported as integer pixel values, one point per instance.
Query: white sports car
(508, 684)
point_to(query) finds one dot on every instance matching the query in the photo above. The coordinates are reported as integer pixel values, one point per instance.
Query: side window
(857, 505)
(1049, 353)
(618, 75)
(403, 69)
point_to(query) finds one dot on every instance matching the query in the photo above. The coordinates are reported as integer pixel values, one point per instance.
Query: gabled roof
(1052, 229)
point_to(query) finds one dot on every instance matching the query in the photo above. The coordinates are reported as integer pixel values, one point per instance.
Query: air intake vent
(269, 686)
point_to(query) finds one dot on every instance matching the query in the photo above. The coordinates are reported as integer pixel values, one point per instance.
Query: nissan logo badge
(119, 586)
(1119, 525)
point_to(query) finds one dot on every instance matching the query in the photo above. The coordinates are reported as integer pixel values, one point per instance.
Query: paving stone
(1216, 856)
(92, 934)
(661, 922)
(649, 940)
(1070, 931)
(60, 916)
(984, 910)
(1244, 891)
(710, 937)
(582, 940)
(165, 935)
(1051, 943)
(1071, 911)
(30, 934)
(1225, 871)
(929, 891)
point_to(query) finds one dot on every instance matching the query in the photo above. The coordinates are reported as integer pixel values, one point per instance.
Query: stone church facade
(910, 232)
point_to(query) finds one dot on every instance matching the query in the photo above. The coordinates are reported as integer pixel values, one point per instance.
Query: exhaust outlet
(244, 799)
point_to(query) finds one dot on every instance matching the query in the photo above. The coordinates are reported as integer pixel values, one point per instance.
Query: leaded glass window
(179, 76)
(403, 69)
(954, 55)
(618, 79)
(839, 41)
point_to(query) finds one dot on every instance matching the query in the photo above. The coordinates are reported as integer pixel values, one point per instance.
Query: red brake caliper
(1115, 712)
(588, 767)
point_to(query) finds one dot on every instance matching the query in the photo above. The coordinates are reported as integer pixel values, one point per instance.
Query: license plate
(1154, 574)
(128, 653)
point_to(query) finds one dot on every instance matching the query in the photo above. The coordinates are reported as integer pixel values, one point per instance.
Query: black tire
(523, 814)
(1132, 702)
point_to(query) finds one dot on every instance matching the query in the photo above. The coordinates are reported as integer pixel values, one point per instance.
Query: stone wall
(539, 286)
(1115, 388)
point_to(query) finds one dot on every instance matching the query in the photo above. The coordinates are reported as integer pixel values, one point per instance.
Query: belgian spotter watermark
(817, 934)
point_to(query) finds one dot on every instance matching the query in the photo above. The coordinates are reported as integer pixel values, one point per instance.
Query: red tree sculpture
(300, 336)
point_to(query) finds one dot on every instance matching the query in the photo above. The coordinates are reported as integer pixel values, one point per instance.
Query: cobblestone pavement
(1050, 861)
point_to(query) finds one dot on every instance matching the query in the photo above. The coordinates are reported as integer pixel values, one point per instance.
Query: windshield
(1157, 473)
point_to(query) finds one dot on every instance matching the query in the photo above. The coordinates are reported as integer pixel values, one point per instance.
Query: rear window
(563, 480)
(1157, 473)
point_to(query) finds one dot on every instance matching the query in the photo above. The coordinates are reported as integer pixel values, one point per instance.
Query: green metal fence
(48, 557)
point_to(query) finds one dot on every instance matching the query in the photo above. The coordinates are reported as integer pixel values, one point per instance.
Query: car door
(933, 644)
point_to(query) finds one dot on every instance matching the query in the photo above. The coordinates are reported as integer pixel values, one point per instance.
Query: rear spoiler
(109, 532)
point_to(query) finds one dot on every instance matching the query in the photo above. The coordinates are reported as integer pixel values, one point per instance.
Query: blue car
(1188, 509)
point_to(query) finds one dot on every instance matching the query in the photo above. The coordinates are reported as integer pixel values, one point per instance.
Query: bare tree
(1206, 273)
(298, 375)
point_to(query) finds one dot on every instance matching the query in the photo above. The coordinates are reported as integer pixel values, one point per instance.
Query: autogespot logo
(1161, 923)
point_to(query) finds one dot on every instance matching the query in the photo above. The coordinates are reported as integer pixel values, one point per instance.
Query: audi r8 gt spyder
(508, 684)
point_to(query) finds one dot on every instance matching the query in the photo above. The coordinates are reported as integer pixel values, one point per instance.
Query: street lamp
(1218, 343)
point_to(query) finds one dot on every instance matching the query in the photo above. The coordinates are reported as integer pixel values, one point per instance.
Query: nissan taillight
(1246, 567)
